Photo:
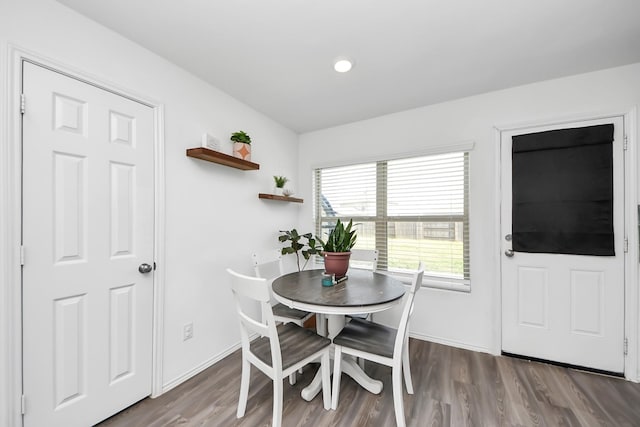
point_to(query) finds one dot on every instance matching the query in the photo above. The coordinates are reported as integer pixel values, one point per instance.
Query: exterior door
(87, 227)
(561, 307)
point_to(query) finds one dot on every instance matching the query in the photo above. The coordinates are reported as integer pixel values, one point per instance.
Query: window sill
(456, 285)
(433, 282)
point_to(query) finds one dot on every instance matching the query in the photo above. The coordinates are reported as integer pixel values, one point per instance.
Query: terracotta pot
(337, 263)
(242, 150)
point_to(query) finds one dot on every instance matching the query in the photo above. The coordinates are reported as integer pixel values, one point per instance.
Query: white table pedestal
(349, 366)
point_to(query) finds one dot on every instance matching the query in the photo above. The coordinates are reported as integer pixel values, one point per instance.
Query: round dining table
(362, 292)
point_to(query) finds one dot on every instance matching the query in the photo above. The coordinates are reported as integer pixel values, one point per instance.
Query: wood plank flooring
(453, 387)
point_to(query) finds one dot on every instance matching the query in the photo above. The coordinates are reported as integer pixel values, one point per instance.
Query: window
(409, 209)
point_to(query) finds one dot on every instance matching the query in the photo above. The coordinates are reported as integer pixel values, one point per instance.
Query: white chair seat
(281, 311)
(367, 336)
(296, 343)
(363, 316)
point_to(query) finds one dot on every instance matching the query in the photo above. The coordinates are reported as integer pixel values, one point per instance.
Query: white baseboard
(196, 370)
(218, 357)
(451, 343)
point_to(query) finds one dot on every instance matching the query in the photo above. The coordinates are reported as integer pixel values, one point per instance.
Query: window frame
(381, 219)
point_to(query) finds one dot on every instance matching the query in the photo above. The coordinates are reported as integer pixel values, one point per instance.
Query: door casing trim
(631, 162)
(11, 223)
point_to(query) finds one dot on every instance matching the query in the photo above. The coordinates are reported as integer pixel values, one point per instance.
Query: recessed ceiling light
(342, 65)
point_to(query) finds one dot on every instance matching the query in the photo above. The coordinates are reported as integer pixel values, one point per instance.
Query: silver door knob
(145, 268)
(509, 253)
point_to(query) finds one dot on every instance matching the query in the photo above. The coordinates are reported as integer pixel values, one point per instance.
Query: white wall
(214, 218)
(469, 319)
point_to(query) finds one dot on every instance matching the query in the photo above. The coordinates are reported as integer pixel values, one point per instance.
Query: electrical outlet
(187, 332)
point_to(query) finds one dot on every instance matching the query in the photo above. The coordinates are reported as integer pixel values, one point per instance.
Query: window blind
(409, 209)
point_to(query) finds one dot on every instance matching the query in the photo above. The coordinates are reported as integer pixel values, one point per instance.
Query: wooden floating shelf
(280, 198)
(221, 158)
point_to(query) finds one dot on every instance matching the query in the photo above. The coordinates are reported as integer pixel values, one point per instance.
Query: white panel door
(564, 308)
(87, 226)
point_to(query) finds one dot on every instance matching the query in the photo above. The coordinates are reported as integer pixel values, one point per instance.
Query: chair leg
(277, 401)
(292, 378)
(406, 368)
(244, 387)
(361, 363)
(360, 359)
(337, 373)
(292, 381)
(326, 380)
(398, 403)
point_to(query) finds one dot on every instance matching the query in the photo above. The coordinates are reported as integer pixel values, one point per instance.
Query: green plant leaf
(241, 136)
(297, 242)
(340, 239)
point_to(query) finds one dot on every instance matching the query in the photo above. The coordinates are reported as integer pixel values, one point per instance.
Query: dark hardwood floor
(453, 387)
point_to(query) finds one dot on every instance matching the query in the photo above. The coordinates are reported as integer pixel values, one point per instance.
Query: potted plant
(337, 248)
(280, 182)
(298, 246)
(241, 145)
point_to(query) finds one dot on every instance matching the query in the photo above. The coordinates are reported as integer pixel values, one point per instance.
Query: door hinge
(21, 255)
(626, 346)
(23, 404)
(625, 140)
(626, 245)
(22, 103)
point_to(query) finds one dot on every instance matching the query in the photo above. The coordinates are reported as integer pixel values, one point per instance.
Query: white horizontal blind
(409, 209)
(427, 215)
(349, 191)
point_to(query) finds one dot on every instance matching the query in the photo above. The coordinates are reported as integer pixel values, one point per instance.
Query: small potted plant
(337, 248)
(241, 145)
(280, 182)
(298, 245)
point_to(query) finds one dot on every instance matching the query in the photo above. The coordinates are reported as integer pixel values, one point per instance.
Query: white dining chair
(381, 344)
(268, 265)
(361, 259)
(279, 350)
(364, 259)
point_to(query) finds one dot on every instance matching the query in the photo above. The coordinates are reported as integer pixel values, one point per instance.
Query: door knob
(509, 253)
(145, 268)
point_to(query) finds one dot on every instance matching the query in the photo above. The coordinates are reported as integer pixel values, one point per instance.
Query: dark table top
(362, 289)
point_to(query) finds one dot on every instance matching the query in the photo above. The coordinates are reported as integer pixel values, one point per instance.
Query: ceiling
(277, 55)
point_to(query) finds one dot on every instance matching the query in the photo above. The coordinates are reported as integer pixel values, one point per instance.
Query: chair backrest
(416, 282)
(268, 264)
(364, 259)
(256, 289)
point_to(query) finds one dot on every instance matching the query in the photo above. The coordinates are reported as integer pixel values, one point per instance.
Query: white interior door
(564, 308)
(87, 227)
